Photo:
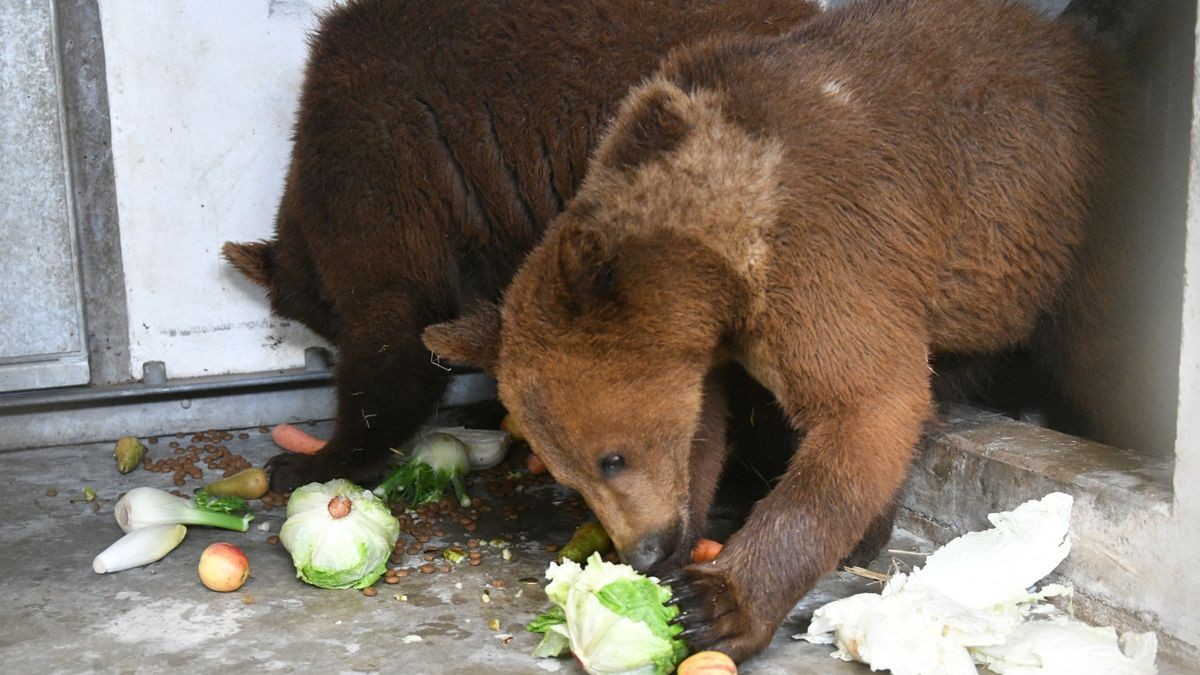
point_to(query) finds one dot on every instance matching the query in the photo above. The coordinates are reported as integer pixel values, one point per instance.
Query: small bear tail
(255, 260)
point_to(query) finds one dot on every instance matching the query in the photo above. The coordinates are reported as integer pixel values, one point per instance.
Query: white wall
(202, 96)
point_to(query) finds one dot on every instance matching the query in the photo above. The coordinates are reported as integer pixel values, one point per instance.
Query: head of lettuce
(611, 618)
(339, 535)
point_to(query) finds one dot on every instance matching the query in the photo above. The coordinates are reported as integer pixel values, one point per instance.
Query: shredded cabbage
(971, 604)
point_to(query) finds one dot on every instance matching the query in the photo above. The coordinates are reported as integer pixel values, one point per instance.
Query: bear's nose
(650, 550)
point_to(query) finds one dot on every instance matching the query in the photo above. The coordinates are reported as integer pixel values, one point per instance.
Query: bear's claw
(713, 615)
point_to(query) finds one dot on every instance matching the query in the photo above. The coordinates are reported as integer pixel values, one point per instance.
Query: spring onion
(145, 506)
(437, 459)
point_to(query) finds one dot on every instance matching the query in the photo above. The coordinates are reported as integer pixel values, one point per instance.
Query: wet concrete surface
(60, 616)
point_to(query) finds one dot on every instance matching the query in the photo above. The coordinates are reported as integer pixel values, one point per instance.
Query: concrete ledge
(973, 463)
(93, 414)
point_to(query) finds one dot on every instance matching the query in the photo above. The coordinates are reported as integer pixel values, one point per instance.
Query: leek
(146, 506)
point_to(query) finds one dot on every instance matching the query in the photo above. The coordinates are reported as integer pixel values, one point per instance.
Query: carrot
(707, 663)
(292, 439)
(535, 464)
(706, 550)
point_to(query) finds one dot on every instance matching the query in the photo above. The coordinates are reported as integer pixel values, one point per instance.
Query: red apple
(223, 567)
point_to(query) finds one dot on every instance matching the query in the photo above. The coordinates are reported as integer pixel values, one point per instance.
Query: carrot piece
(707, 663)
(293, 439)
(535, 464)
(706, 550)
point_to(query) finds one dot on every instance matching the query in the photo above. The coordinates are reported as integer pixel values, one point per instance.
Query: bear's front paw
(714, 614)
(289, 470)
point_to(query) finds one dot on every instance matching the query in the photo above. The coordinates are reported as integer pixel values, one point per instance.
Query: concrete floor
(59, 616)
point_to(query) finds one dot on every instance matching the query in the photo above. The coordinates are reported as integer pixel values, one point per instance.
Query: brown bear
(433, 144)
(827, 209)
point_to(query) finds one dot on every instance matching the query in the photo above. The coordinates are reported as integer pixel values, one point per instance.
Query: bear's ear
(255, 260)
(588, 270)
(647, 127)
(473, 339)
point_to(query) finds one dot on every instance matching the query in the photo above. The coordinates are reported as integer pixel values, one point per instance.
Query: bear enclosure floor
(58, 615)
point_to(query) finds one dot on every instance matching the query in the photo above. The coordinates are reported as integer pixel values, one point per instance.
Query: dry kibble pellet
(370, 591)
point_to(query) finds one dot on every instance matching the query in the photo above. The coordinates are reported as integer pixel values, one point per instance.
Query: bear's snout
(651, 550)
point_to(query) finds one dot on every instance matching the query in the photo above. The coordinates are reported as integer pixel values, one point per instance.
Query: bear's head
(615, 319)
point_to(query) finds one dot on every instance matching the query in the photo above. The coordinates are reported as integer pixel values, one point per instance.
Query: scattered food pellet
(152, 440)
(243, 436)
(427, 568)
(273, 539)
(474, 562)
(498, 583)
(51, 492)
(403, 572)
(444, 569)
(264, 430)
(551, 548)
(370, 591)
(391, 580)
(248, 599)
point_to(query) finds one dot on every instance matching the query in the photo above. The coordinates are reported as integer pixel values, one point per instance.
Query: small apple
(223, 567)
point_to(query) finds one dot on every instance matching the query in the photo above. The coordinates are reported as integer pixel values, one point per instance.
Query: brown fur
(433, 144)
(892, 180)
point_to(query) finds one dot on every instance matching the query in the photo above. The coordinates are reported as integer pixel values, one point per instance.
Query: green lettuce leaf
(542, 622)
(207, 501)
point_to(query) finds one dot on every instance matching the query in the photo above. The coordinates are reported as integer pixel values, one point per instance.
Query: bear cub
(433, 144)
(827, 210)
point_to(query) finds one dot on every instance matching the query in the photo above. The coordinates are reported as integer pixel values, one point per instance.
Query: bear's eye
(611, 465)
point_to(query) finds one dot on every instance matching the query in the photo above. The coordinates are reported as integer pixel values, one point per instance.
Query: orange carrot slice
(292, 439)
(706, 550)
(535, 464)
